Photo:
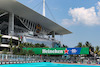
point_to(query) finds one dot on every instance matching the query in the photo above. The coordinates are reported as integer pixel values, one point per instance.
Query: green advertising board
(58, 51)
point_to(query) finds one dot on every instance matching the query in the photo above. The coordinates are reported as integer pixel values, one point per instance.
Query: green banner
(84, 51)
(49, 51)
(58, 51)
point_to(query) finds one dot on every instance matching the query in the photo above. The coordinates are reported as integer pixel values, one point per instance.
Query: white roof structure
(29, 14)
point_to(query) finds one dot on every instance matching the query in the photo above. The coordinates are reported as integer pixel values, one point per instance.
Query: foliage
(30, 52)
(30, 45)
(37, 45)
(79, 44)
(0, 38)
(19, 51)
(42, 45)
(11, 45)
(91, 48)
(87, 44)
(5, 51)
(65, 46)
(97, 51)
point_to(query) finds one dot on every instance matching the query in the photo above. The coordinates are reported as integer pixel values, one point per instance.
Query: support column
(61, 40)
(53, 34)
(11, 24)
(53, 39)
(34, 30)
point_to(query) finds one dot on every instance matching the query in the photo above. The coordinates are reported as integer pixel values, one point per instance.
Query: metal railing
(14, 59)
(9, 59)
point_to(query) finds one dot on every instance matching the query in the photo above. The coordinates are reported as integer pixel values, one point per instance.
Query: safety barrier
(18, 59)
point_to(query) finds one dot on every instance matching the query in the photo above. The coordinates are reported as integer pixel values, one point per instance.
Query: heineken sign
(59, 51)
(52, 51)
(49, 51)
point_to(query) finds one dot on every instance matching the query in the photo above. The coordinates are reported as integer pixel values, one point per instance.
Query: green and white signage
(58, 51)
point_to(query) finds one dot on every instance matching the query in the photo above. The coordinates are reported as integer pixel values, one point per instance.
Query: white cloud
(67, 22)
(98, 7)
(84, 16)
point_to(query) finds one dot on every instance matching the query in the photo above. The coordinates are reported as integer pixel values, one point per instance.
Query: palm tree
(42, 45)
(11, 45)
(88, 44)
(99, 53)
(84, 46)
(79, 44)
(97, 50)
(65, 46)
(0, 38)
(37, 45)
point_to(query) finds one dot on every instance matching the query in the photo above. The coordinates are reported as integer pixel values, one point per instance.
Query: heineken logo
(52, 51)
(60, 51)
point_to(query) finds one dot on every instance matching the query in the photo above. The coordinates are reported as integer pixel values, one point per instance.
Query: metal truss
(31, 26)
(4, 24)
(2, 13)
(26, 23)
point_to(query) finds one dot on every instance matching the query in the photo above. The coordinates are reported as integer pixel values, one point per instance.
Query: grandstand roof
(31, 15)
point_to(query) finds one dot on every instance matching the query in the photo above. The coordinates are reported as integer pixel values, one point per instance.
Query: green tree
(23, 52)
(42, 45)
(79, 44)
(99, 53)
(15, 50)
(4, 51)
(88, 44)
(65, 46)
(30, 52)
(37, 45)
(11, 45)
(84, 46)
(19, 50)
(0, 38)
(97, 50)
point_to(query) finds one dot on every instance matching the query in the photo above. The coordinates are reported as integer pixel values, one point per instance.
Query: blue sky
(82, 17)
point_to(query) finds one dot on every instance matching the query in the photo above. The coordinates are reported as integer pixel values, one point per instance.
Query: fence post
(2, 57)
